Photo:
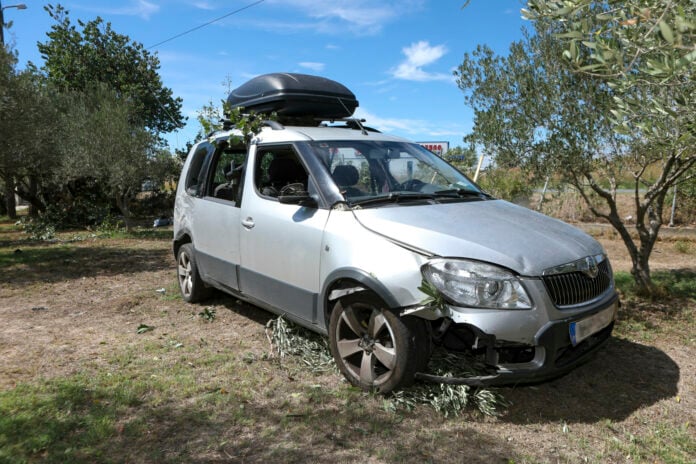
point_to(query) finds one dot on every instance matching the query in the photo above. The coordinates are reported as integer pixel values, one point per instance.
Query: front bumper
(553, 353)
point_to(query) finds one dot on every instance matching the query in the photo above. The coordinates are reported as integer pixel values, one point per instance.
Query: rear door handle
(248, 223)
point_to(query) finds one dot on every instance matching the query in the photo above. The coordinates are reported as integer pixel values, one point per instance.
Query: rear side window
(195, 179)
(226, 169)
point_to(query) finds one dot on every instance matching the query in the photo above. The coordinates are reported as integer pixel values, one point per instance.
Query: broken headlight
(477, 285)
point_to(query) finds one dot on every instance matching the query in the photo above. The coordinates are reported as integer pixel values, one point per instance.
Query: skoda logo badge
(590, 268)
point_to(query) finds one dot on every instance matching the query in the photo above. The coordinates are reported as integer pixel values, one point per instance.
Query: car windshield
(370, 173)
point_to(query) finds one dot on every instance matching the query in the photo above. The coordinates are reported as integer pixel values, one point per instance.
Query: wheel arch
(182, 237)
(345, 281)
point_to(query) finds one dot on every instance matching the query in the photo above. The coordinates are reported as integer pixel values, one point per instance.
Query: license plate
(582, 329)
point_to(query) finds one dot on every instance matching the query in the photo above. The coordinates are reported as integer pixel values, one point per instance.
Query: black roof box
(294, 97)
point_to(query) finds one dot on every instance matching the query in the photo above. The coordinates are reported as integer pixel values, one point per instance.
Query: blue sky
(397, 56)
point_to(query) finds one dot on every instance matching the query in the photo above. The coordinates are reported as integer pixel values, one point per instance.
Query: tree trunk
(30, 192)
(33, 189)
(647, 233)
(641, 275)
(122, 202)
(10, 203)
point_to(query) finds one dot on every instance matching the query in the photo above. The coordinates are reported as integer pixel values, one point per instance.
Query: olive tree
(533, 110)
(26, 120)
(644, 51)
(107, 147)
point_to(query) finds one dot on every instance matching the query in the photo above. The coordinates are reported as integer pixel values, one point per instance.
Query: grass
(677, 283)
(80, 418)
(669, 444)
(205, 387)
(152, 407)
(673, 313)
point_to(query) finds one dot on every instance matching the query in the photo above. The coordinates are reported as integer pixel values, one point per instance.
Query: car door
(217, 217)
(280, 243)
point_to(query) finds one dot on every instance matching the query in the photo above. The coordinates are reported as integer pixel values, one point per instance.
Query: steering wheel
(411, 185)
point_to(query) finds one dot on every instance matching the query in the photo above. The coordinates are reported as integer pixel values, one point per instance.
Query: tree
(107, 146)
(102, 93)
(101, 144)
(645, 51)
(75, 60)
(462, 158)
(7, 101)
(23, 115)
(532, 109)
(646, 44)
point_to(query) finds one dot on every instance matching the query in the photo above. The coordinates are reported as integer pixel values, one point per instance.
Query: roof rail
(275, 125)
(355, 123)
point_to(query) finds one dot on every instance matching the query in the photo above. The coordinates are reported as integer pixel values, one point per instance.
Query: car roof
(281, 134)
(342, 133)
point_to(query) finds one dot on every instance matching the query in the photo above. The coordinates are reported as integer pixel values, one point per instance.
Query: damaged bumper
(557, 348)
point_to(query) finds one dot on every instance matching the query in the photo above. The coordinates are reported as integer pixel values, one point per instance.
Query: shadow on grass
(623, 378)
(60, 262)
(74, 420)
(244, 309)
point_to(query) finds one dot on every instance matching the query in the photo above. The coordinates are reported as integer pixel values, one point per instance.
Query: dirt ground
(85, 299)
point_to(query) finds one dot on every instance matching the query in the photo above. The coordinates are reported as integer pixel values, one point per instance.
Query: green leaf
(571, 35)
(589, 44)
(573, 50)
(666, 32)
(683, 25)
(142, 328)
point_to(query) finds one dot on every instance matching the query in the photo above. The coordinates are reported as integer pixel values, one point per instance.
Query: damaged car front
(530, 297)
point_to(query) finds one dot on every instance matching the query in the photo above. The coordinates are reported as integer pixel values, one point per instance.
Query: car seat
(282, 172)
(346, 176)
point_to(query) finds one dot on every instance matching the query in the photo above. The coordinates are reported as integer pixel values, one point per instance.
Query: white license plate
(582, 329)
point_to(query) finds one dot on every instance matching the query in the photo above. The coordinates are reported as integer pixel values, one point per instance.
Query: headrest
(286, 170)
(346, 175)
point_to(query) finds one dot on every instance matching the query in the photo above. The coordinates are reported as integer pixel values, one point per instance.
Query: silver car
(348, 232)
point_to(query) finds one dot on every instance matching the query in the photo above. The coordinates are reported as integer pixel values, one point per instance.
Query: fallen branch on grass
(287, 339)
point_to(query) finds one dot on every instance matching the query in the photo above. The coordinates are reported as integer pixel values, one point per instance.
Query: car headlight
(475, 284)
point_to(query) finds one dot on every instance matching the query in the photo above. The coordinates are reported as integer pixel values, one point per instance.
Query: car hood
(494, 231)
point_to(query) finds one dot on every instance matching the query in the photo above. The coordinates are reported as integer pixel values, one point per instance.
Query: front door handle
(248, 223)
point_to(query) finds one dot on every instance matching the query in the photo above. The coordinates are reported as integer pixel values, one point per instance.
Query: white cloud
(407, 126)
(419, 55)
(362, 17)
(203, 6)
(141, 8)
(411, 127)
(318, 67)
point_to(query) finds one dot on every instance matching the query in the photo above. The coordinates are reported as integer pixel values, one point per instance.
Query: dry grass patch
(78, 383)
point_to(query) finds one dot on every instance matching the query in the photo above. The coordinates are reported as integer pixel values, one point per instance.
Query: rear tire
(374, 348)
(191, 285)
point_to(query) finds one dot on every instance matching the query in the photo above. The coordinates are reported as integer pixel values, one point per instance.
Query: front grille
(572, 288)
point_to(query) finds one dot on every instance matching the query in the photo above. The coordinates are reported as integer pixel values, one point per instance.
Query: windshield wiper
(394, 197)
(461, 193)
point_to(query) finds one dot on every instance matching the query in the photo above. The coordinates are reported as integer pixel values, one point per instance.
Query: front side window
(367, 171)
(277, 168)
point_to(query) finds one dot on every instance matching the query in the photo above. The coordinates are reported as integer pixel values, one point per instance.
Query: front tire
(374, 348)
(190, 283)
